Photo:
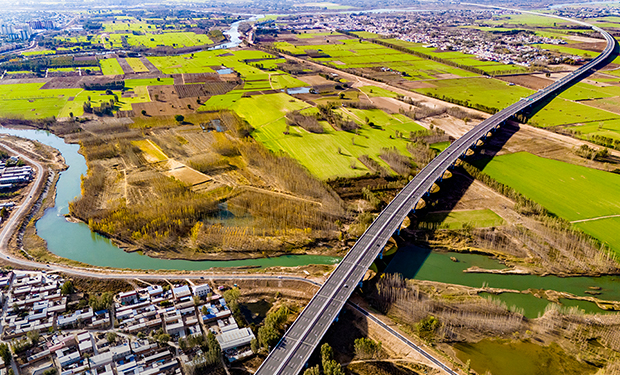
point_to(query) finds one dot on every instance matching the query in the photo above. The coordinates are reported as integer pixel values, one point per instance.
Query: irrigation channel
(76, 241)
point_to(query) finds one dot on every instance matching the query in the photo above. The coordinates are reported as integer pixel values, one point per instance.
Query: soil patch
(526, 80)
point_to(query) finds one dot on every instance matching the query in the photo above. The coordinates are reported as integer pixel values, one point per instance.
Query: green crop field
(171, 39)
(459, 219)
(131, 83)
(610, 128)
(352, 53)
(29, 101)
(262, 109)
(440, 146)
(584, 91)
(374, 91)
(218, 102)
(568, 50)
(484, 91)
(604, 229)
(39, 53)
(111, 67)
(570, 191)
(367, 35)
(306, 35)
(497, 94)
(136, 65)
(526, 19)
(563, 112)
(319, 152)
(461, 58)
(285, 81)
(203, 61)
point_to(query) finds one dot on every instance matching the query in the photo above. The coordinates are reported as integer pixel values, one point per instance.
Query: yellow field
(152, 152)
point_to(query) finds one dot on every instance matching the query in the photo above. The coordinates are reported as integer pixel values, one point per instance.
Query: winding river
(77, 242)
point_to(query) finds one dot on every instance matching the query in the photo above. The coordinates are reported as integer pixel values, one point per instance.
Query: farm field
(374, 91)
(204, 61)
(111, 67)
(497, 94)
(171, 39)
(526, 19)
(584, 91)
(218, 102)
(562, 112)
(136, 65)
(285, 81)
(355, 54)
(603, 229)
(262, 109)
(459, 219)
(131, 83)
(28, 101)
(483, 91)
(570, 191)
(39, 53)
(319, 152)
(610, 129)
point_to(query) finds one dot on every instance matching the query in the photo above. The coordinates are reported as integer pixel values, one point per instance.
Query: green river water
(419, 263)
(76, 241)
(501, 357)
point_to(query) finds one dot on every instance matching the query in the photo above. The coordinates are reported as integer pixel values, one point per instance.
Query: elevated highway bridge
(294, 349)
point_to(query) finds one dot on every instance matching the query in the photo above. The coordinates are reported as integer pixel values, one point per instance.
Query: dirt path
(279, 194)
(594, 218)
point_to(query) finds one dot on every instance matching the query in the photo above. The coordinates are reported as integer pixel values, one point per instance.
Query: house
(128, 297)
(235, 338)
(201, 290)
(181, 292)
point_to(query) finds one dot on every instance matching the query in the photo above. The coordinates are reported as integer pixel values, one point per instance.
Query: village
(447, 31)
(50, 328)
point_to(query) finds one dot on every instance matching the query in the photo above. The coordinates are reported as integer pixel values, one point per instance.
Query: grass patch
(460, 219)
(374, 91)
(440, 146)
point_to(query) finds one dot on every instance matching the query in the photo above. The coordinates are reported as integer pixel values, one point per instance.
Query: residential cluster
(446, 31)
(51, 329)
(12, 176)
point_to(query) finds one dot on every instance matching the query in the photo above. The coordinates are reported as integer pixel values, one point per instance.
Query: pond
(255, 312)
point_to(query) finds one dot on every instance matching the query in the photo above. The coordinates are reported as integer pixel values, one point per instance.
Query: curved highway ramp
(292, 352)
